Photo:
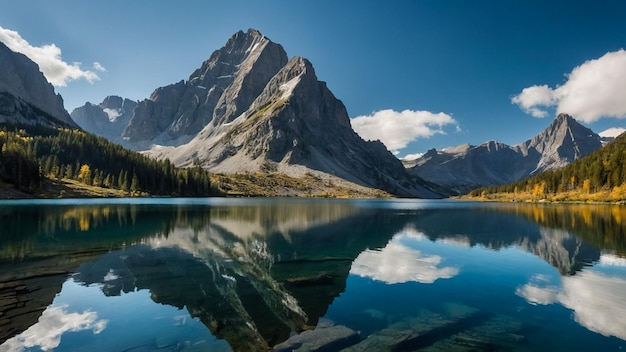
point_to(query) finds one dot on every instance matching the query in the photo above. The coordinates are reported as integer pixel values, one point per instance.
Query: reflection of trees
(600, 225)
(46, 230)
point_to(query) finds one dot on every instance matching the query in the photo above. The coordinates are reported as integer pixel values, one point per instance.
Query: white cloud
(53, 323)
(48, 57)
(593, 90)
(397, 129)
(534, 96)
(397, 263)
(98, 67)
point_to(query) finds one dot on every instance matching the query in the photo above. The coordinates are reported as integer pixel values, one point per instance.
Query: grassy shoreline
(572, 197)
(234, 185)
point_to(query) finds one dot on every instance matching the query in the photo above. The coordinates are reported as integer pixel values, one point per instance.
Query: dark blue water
(245, 275)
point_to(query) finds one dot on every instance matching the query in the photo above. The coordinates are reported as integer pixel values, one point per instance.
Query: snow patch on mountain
(612, 132)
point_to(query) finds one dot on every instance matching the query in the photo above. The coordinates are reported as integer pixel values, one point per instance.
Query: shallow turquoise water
(250, 274)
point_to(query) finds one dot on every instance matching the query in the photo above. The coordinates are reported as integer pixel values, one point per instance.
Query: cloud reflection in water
(596, 298)
(399, 263)
(52, 325)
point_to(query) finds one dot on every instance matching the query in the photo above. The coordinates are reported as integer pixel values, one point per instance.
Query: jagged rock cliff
(466, 167)
(221, 89)
(250, 108)
(25, 94)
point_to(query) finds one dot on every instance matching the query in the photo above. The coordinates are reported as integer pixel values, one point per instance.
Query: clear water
(246, 275)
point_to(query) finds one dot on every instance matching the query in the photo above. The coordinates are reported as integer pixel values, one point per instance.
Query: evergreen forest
(32, 154)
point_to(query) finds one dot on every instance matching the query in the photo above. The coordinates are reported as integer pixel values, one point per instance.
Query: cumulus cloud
(397, 263)
(53, 323)
(592, 91)
(397, 129)
(532, 97)
(48, 57)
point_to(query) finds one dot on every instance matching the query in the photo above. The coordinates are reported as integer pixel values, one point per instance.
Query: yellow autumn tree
(586, 186)
(539, 190)
(84, 175)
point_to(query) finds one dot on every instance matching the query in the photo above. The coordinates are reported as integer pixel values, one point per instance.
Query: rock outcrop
(25, 94)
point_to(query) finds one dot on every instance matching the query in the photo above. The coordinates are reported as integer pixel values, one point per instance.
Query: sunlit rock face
(220, 90)
(25, 94)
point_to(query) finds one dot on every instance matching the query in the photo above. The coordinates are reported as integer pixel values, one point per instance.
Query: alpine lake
(280, 274)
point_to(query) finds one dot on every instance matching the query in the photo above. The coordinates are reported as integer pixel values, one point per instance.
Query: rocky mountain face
(107, 119)
(220, 90)
(250, 108)
(25, 94)
(466, 167)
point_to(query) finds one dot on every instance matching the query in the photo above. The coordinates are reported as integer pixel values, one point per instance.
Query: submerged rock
(332, 338)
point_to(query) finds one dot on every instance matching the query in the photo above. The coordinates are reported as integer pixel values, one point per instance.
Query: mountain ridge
(492, 163)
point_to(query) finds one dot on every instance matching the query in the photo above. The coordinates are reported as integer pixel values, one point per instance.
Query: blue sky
(418, 74)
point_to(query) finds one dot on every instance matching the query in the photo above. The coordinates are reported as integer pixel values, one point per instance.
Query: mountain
(25, 94)
(598, 176)
(107, 119)
(249, 108)
(492, 163)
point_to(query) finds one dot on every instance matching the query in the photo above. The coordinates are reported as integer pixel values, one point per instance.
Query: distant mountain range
(466, 167)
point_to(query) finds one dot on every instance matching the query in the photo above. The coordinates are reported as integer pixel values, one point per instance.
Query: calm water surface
(331, 275)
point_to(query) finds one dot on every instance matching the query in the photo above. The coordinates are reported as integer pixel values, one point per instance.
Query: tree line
(603, 171)
(30, 154)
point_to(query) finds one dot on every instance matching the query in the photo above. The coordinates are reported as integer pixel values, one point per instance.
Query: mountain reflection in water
(257, 273)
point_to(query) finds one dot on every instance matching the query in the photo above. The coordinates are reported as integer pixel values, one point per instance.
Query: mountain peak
(242, 42)
(254, 32)
(564, 141)
(217, 92)
(492, 163)
(563, 118)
